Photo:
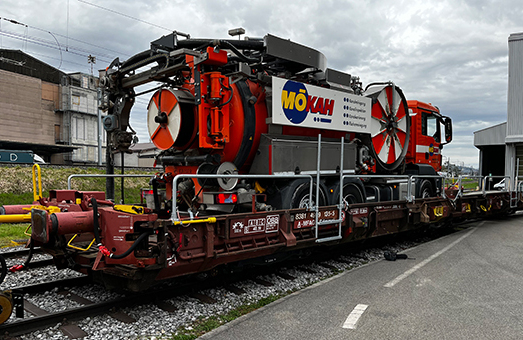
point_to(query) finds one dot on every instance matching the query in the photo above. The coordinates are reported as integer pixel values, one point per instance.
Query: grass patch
(8, 198)
(204, 325)
(16, 187)
(10, 232)
(466, 183)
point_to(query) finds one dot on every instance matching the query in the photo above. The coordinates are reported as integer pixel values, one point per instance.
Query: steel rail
(20, 252)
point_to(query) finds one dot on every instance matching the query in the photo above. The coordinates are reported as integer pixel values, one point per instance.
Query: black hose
(230, 98)
(30, 255)
(140, 60)
(3, 271)
(238, 53)
(155, 196)
(97, 234)
(249, 129)
(96, 225)
(131, 249)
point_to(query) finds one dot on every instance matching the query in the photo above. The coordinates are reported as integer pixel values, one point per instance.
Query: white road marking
(354, 316)
(427, 260)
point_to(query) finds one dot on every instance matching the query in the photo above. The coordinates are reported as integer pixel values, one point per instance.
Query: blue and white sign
(16, 156)
(304, 105)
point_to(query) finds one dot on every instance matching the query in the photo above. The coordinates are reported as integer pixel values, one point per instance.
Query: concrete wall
(27, 109)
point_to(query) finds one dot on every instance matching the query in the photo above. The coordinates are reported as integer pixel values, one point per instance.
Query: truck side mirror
(448, 130)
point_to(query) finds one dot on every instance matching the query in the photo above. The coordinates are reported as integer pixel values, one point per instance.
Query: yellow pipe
(15, 218)
(37, 195)
(206, 220)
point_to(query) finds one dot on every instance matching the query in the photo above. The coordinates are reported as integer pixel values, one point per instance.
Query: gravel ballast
(155, 323)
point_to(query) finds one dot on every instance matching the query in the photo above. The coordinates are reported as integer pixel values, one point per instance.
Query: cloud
(451, 54)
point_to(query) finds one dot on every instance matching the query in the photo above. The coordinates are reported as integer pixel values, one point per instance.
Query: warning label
(250, 226)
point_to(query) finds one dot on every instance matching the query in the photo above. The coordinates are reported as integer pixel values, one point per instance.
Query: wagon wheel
(390, 126)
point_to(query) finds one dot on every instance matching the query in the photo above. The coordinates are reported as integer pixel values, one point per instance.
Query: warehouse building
(501, 146)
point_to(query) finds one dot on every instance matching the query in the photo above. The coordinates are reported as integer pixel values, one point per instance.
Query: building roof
(41, 149)
(493, 135)
(22, 63)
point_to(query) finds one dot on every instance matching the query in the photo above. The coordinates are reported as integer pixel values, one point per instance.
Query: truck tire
(352, 194)
(300, 197)
(425, 190)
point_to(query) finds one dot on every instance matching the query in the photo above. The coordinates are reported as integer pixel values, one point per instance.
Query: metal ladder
(340, 219)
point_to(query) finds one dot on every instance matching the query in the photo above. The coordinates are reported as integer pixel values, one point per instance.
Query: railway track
(177, 303)
(20, 253)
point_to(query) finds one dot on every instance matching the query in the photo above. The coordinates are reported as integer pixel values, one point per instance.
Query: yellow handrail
(78, 248)
(37, 195)
(206, 220)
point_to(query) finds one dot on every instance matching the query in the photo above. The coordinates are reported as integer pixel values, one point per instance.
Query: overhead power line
(50, 44)
(67, 37)
(47, 56)
(125, 15)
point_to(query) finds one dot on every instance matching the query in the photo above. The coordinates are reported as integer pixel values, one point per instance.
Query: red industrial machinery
(266, 152)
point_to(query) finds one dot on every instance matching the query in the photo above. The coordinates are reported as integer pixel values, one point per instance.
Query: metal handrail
(37, 186)
(174, 215)
(507, 184)
(90, 175)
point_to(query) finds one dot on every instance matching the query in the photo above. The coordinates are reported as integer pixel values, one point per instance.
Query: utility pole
(91, 60)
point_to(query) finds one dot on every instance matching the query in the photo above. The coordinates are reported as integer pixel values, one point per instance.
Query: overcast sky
(453, 54)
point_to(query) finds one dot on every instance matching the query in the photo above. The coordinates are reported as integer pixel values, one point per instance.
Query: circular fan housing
(170, 118)
(390, 126)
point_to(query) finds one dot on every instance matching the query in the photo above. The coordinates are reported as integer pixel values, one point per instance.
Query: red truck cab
(426, 140)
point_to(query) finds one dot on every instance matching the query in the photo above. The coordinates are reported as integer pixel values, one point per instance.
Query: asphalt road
(468, 285)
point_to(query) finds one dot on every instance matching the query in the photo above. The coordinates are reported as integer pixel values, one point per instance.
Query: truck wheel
(300, 197)
(352, 194)
(426, 190)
